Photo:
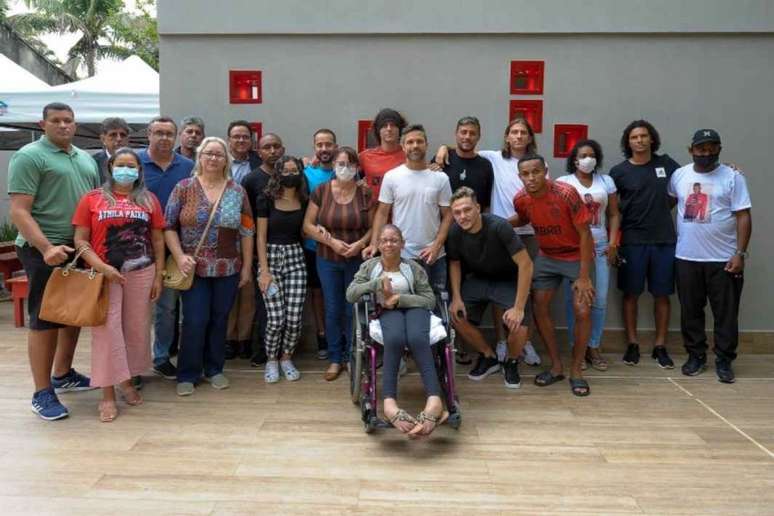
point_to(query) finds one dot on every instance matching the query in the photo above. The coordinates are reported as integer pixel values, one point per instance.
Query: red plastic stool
(19, 290)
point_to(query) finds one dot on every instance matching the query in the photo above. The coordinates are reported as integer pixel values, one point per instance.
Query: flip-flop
(547, 378)
(402, 415)
(424, 417)
(107, 416)
(580, 387)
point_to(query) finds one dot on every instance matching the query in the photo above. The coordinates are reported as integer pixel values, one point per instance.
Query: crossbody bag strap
(209, 222)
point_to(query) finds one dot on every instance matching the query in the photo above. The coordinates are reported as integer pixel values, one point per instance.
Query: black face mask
(293, 181)
(706, 161)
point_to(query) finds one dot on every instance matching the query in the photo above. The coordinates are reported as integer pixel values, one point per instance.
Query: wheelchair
(365, 360)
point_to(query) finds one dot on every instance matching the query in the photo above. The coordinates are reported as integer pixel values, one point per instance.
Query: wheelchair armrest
(443, 307)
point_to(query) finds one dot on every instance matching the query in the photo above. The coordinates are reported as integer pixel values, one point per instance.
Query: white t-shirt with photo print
(706, 202)
(595, 198)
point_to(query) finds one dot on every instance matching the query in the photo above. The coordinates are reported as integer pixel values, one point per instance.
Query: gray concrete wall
(683, 72)
(17, 50)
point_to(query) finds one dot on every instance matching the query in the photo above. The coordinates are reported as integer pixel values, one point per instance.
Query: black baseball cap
(705, 136)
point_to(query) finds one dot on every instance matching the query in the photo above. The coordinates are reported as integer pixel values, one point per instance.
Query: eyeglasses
(213, 155)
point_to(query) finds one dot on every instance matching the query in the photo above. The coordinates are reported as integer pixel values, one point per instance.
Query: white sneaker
(271, 374)
(502, 351)
(289, 370)
(529, 355)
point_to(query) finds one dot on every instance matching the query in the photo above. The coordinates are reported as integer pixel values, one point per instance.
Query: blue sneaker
(46, 405)
(72, 381)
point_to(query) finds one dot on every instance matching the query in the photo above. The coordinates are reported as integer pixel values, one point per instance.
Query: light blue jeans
(599, 307)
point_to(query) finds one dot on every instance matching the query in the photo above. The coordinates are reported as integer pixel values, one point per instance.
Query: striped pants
(285, 309)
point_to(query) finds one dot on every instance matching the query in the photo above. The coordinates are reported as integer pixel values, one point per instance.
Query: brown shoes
(333, 372)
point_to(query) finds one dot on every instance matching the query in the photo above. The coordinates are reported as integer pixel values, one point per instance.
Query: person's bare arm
(21, 217)
(743, 233)
(583, 286)
(614, 223)
(380, 219)
(430, 253)
(514, 316)
(157, 240)
(261, 234)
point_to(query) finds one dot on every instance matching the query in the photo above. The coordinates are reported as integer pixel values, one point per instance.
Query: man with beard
(270, 149)
(418, 200)
(191, 136)
(318, 173)
(162, 169)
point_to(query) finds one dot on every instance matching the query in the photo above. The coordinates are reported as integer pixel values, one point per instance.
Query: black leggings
(401, 328)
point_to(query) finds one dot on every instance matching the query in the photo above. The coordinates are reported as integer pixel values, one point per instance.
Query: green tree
(138, 32)
(94, 20)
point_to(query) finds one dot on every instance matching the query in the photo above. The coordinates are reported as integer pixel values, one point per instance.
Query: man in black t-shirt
(499, 273)
(648, 234)
(466, 167)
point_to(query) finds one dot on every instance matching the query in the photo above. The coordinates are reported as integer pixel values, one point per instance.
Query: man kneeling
(493, 256)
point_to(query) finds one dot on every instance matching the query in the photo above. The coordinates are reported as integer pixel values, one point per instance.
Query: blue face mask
(125, 175)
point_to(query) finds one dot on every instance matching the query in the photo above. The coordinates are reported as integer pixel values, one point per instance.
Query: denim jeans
(164, 324)
(206, 306)
(599, 307)
(335, 277)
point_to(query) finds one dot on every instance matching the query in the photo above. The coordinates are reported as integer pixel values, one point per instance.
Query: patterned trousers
(285, 309)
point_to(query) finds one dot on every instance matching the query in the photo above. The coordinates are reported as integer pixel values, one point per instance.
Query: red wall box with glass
(566, 136)
(363, 132)
(527, 77)
(257, 128)
(245, 87)
(531, 110)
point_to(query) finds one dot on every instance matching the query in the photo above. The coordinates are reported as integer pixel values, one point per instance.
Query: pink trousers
(120, 348)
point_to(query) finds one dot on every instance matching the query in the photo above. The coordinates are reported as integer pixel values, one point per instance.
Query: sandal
(596, 361)
(131, 396)
(107, 411)
(579, 387)
(403, 416)
(547, 378)
(423, 418)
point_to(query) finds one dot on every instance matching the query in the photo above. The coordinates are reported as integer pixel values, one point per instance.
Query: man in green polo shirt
(46, 179)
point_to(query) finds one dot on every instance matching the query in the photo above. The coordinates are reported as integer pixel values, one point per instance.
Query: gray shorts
(549, 272)
(478, 293)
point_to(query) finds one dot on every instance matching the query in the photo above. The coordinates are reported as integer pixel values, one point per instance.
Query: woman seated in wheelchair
(404, 300)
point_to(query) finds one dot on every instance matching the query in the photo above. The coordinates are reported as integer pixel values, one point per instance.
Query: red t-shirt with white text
(554, 215)
(121, 233)
(375, 163)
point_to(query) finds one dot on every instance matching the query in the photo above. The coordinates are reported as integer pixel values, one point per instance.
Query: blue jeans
(335, 277)
(206, 306)
(599, 307)
(164, 324)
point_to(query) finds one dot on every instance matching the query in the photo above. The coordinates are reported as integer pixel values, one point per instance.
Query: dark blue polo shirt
(162, 182)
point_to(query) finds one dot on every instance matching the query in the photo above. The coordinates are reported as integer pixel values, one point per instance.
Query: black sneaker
(484, 367)
(231, 350)
(245, 349)
(661, 356)
(259, 358)
(167, 370)
(322, 348)
(724, 371)
(632, 355)
(694, 365)
(511, 373)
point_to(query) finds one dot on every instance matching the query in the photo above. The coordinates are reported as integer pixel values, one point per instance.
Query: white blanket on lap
(437, 330)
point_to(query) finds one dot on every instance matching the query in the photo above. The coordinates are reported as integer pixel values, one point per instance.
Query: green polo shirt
(57, 179)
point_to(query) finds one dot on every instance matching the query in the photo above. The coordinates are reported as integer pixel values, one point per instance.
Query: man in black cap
(713, 230)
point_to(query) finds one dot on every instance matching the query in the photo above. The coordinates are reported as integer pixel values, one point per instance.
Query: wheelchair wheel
(355, 366)
(455, 418)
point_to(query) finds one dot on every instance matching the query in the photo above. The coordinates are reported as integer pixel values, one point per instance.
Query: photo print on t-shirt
(593, 207)
(697, 203)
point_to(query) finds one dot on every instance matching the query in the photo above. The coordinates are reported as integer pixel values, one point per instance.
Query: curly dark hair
(655, 139)
(387, 115)
(273, 188)
(594, 144)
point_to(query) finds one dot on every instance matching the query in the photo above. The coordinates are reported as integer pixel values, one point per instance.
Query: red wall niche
(527, 77)
(531, 110)
(364, 134)
(245, 87)
(566, 136)
(257, 128)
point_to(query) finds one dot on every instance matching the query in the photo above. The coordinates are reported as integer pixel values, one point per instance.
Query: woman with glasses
(221, 266)
(404, 299)
(339, 218)
(119, 229)
(282, 268)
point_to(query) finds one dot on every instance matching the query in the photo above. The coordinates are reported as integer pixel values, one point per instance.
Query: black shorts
(38, 273)
(478, 293)
(312, 278)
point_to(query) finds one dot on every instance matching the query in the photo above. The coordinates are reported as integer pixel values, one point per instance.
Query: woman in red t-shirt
(121, 226)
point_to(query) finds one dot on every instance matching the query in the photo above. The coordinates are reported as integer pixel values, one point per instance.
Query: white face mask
(345, 173)
(587, 164)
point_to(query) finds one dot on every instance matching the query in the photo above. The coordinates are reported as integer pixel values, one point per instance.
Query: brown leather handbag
(75, 297)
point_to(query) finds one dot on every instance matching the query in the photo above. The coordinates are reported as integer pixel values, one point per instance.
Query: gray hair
(192, 120)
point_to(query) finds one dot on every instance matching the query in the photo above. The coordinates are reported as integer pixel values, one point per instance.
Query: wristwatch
(743, 254)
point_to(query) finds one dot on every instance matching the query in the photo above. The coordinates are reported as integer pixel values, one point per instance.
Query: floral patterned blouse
(188, 211)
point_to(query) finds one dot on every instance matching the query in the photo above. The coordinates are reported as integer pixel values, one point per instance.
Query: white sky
(60, 44)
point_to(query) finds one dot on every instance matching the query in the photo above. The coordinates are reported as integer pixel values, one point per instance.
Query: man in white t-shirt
(713, 230)
(418, 199)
